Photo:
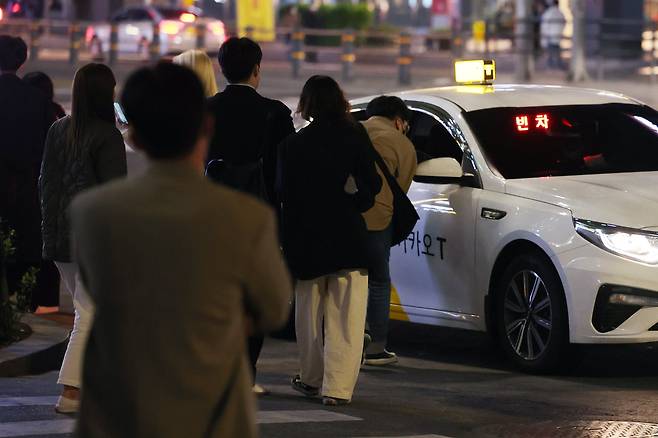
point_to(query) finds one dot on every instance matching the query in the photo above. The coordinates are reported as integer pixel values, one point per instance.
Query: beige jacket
(399, 154)
(172, 261)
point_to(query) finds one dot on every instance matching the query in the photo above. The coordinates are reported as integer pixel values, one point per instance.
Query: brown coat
(399, 154)
(172, 261)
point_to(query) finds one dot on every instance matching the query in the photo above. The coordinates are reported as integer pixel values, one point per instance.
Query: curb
(42, 351)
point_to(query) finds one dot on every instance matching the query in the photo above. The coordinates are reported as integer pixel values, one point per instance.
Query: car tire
(532, 321)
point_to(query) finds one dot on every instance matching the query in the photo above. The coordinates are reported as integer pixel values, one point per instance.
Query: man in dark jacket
(248, 129)
(25, 117)
(248, 126)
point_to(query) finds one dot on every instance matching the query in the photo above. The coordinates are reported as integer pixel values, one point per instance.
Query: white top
(476, 97)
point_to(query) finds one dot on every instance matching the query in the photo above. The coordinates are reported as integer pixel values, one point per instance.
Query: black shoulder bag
(404, 213)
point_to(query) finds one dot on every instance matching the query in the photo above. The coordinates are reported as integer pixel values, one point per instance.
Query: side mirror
(439, 171)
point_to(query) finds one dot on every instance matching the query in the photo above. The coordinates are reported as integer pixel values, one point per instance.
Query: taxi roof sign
(480, 71)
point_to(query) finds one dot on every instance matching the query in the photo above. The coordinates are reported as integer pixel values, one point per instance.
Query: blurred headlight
(637, 245)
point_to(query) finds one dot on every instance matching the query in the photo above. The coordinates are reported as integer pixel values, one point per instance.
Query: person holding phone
(82, 150)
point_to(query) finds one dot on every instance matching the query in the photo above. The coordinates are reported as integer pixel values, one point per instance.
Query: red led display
(522, 123)
(541, 121)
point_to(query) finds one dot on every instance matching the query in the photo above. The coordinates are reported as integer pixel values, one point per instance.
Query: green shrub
(13, 304)
(340, 16)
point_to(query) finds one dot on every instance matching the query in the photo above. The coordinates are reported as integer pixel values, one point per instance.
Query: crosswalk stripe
(303, 416)
(6, 402)
(408, 436)
(42, 427)
(63, 426)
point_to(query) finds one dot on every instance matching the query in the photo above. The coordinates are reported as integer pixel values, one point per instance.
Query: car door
(432, 271)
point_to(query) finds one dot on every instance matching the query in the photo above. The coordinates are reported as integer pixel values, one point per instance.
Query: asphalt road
(378, 75)
(448, 383)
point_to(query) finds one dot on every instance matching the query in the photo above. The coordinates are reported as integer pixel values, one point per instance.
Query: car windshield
(173, 13)
(532, 142)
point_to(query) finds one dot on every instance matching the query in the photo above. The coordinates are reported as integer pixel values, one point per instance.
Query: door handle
(493, 214)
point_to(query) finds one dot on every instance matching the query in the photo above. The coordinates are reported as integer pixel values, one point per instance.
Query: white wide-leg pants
(330, 320)
(71, 372)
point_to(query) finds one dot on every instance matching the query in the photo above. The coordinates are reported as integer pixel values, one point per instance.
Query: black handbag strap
(381, 163)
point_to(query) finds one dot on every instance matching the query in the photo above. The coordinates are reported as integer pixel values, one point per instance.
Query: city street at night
(447, 384)
(329, 218)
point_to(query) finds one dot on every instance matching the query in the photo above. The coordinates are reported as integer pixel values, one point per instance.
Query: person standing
(42, 82)
(387, 126)
(25, 117)
(199, 62)
(248, 129)
(46, 297)
(82, 150)
(327, 178)
(175, 265)
(552, 28)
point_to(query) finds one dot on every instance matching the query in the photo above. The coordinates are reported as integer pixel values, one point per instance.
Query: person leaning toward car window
(200, 63)
(172, 288)
(82, 150)
(326, 179)
(248, 128)
(387, 126)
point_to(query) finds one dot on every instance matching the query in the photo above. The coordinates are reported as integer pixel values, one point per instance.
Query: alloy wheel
(528, 315)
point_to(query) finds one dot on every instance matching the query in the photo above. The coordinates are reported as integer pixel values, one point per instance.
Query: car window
(138, 15)
(120, 16)
(432, 139)
(429, 136)
(568, 140)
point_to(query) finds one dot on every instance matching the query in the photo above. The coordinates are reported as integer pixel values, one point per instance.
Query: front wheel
(532, 320)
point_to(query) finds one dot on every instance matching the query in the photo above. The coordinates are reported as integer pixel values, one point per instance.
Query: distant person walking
(248, 129)
(552, 29)
(387, 127)
(25, 117)
(200, 63)
(42, 82)
(176, 266)
(82, 150)
(327, 179)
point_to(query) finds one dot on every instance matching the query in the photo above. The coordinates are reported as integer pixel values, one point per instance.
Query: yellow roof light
(478, 71)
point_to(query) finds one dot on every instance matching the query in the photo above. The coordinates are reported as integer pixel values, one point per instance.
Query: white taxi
(538, 214)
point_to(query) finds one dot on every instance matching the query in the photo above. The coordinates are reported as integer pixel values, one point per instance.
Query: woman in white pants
(82, 150)
(327, 177)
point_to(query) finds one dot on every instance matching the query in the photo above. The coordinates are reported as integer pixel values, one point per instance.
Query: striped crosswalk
(62, 426)
(65, 425)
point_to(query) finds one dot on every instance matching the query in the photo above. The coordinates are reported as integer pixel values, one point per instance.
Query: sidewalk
(42, 351)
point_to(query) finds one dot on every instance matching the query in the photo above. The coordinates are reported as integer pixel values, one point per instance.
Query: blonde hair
(200, 63)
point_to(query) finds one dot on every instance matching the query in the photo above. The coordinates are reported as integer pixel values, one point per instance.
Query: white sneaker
(67, 405)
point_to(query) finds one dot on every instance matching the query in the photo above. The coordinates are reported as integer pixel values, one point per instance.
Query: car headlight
(638, 245)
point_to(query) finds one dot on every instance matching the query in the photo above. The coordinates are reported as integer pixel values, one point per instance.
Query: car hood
(624, 199)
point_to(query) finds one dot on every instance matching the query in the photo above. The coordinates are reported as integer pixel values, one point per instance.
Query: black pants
(255, 344)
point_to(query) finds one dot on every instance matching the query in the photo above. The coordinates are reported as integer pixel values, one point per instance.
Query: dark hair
(165, 105)
(322, 98)
(92, 99)
(13, 53)
(41, 81)
(238, 57)
(389, 107)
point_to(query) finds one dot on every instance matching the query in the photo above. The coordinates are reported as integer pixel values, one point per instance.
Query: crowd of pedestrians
(177, 272)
